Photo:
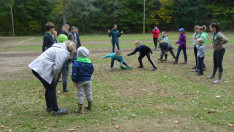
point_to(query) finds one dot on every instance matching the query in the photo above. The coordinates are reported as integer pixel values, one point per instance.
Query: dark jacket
(81, 71)
(63, 32)
(115, 35)
(78, 40)
(164, 46)
(48, 41)
(143, 50)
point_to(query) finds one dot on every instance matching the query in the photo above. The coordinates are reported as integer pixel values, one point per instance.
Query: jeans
(149, 58)
(113, 47)
(64, 71)
(50, 93)
(218, 59)
(155, 42)
(178, 54)
(200, 64)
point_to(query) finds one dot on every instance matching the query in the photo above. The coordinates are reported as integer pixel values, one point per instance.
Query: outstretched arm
(133, 52)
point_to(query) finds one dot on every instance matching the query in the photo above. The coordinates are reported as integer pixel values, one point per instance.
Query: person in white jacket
(46, 68)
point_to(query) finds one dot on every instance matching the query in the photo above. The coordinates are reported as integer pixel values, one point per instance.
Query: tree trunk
(64, 13)
(83, 26)
(12, 20)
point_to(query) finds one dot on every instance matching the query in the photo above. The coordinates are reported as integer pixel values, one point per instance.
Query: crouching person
(82, 70)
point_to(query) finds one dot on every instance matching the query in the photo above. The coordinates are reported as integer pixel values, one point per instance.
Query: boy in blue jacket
(116, 56)
(82, 70)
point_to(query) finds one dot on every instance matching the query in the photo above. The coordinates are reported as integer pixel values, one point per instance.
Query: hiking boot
(89, 106)
(165, 60)
(60, 111)
(111, 69)
(199, 74)
(66, 90)
(159, 59)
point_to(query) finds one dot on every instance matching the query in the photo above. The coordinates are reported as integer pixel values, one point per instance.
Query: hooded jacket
(182, 41)
(115, 35)
(50, 62)
(219, 39)
(82, 68)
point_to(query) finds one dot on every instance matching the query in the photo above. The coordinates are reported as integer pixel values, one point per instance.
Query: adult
(115, 37)
(48, 39)
(65, 29)
(155, 33)
(78, 38)
(219, 49)
(46, 68)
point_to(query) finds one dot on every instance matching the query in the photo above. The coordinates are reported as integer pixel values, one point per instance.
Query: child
(182, 46)
(116, 56)
(200, 56)
(144, 51)
(195, 37)
(48, 39)
(165, 47)
(165, 39)
(203, 35)
(155, 33)
(82, 70)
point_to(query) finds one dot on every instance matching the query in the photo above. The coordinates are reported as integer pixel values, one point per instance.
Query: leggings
(218, 59)
(155, 42)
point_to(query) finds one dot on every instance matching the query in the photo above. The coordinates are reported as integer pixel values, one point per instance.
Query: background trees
(96, 16)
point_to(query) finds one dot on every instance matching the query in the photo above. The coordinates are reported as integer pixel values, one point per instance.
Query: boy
(116, 56)
(200, 56)
(144, 51)
(55, 36)
(165, 47)
(48, 39)
(82, 70)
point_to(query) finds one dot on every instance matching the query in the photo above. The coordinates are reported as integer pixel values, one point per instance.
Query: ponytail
(203, 28)
(216, 26)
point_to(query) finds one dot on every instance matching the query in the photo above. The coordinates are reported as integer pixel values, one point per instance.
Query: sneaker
(165, 60)
(60, 111)
(140, 67)
(211, 76)
(195, 70)
(217, 81)
(175, 62)
(185, 63)
(66, 90)
(159, 59)
(154, 68)
(111, 69)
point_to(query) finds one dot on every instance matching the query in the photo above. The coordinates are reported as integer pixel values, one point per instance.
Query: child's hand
(195, 37)
(74, 84)
(122, 31)
(108, 30)
(126, 54)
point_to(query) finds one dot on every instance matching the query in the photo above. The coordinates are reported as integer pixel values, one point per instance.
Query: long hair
(216, 26)
(65, 28)
(202, 28)
(71, 47)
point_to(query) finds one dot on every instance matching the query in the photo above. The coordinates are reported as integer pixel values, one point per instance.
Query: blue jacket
(115, 35)
(48, 41)
(81, 71)
(114, 57)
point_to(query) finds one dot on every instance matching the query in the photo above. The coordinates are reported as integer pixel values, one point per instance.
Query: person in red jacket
(155, 33)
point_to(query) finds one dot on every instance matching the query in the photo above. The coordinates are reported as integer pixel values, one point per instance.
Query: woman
(219, 49)
(46, 68)
(155, 33)
(65, 29)
(115, 37)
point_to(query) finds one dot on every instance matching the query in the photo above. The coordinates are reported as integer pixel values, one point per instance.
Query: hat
(62, 38)
(73, 27)
(82, 52)
(181, 29)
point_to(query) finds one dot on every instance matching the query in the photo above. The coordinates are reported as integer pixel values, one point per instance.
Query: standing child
(200, 56)
(203, 35)
(48, 39)
(144, 51)
(82, 70)
(182, 46)
(195, 37)
(155, 33)
(165, 47)
(116, 56)
(165, 39)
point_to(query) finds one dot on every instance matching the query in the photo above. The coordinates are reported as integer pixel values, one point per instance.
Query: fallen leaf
(78, 126)
(230, 125)
(130, 110)
(211, 111)
(58, 92)
(10, 130)
(217, 96)
(175, 125)
(2, 126)
(143, 89)
(146, 99)
(117, 126)
(71, 130)
(196, 115)
(176, 121)
(201, 118)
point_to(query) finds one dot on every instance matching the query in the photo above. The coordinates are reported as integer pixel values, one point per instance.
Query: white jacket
(50, 62)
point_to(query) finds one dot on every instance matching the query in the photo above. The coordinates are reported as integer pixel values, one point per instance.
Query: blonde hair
(118, 52)
(200, 40)
(203, 28)
(196, 27)
(71, 47)
(65, 28)
(164, 33)
(137, 42)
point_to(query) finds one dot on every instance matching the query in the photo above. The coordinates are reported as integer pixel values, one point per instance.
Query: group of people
(57, 55)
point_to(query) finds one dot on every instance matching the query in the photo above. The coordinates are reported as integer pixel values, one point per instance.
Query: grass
(170, 99)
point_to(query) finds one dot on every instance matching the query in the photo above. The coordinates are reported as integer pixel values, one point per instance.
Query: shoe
(204, 69)
(66, 90)
(154, 68)
(165, 60)
(111, 69)
(140, 67)
(48, 110)
(185, 63)
(175, 62)
(199, 74)
(60, 111)
(159, 59)
(194, 67)
(89, 106)
(210, 77)
(195, 70)
(217, 81)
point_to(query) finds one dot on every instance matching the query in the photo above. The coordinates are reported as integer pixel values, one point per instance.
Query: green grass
(135, 99)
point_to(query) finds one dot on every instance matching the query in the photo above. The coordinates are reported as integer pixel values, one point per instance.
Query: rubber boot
(89, 106)
(65, 88)
(213, 73)
(80, 109)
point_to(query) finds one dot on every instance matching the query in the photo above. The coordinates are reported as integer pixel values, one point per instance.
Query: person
(64, 71)
(55, 36)
(116, 56)
(219, 49)
(144, 51)
(182, 46)
(46, 68)
(72, 35)
(165, 47)
(48, 39)
(165, 39)
(65, 29)
(195, 37)
(203, 35)
(155, 33)
(78, 38)
(115, 37)
(200, 56)
(82, 70)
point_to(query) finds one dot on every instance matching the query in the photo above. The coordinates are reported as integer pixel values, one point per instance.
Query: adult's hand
(108, 30)
(218, 46)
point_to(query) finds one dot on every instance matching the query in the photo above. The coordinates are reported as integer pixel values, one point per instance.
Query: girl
(219, 49)
(203, 35)
(115, 37)
(165, 39)
(195, 37)
(155, 33)
(182, 46)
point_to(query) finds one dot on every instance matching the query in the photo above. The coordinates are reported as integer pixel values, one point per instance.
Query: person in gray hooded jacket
(219, 49)
(46, 68)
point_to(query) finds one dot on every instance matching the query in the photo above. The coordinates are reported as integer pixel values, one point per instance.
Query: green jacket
(219, 39)
(115, 35)
(204, 36)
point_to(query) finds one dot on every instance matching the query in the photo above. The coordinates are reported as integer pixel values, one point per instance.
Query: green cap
(62, 38)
